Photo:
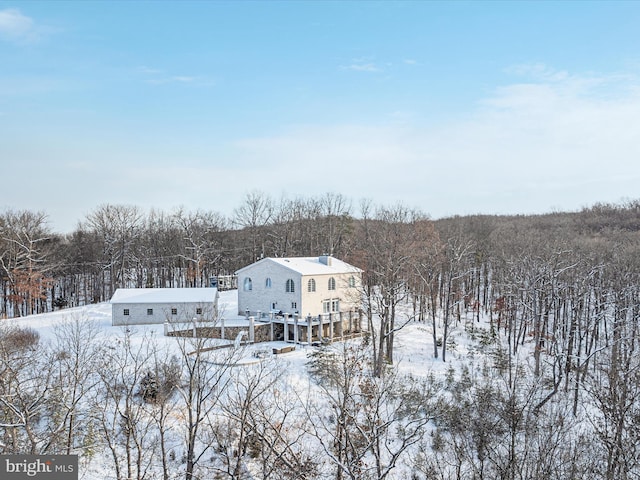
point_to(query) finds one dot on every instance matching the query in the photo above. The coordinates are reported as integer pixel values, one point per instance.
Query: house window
(294, 305)
(198, 311)
(149, 311)
(332, 283)
(311, 285)
(248, 284)
(290, 286)
(335, 305)
(267, 283)
(126, 311)
(352, 281)
(273, 306)
(331, 306)
(174, 311)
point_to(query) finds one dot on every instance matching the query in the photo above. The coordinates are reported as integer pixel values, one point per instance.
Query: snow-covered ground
(413, 347)
(413, 351)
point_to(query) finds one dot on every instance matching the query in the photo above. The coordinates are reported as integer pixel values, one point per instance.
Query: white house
(302, 286)
(137, 306)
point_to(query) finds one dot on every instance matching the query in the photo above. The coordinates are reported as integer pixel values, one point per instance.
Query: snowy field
(413, 356)
(414, 345)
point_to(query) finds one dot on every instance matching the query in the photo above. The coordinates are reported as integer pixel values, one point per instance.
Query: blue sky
(448, 107)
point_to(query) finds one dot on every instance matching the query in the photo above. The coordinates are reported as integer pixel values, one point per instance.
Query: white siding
(349, 296)
(186, 302)
(261, 298)
(161, 313)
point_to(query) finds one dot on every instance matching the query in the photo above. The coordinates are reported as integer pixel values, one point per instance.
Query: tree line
(537, 275)
(552, 303)
(122, 246)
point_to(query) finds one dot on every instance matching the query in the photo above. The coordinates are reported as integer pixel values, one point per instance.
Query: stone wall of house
(348, 326)
(262, 332)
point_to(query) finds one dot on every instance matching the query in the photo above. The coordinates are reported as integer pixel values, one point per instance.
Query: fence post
(286, 327)
(252, 330)
(330, 328)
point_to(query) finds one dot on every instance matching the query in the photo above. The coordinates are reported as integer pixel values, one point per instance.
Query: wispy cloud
(542, 83)
(526, 147)
(196, 81)
(18, 28)
(362, 65)
(173, 79)
(148, 70)
(155, 76)
(369, 65)
(537, 71)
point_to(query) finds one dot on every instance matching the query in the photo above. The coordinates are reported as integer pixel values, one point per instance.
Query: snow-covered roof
(164, 295)
(311, 265)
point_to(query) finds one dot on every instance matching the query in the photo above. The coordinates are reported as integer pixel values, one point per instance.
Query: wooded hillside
(551, 302)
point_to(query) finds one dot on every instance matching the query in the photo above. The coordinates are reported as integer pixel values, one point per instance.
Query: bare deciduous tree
(371, 421)
(24, 247)
(118, 227)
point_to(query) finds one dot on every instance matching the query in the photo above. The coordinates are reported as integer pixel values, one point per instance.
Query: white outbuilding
(139, 306)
